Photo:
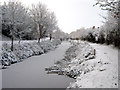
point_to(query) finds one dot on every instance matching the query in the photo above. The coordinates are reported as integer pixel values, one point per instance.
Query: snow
(103, 70)
(0, 70)
(0, 79)
(4, 38)
(31, 73)
(25, 49)
(76, 54)
(91, 65)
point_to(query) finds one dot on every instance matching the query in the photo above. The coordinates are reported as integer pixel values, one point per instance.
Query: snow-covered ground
(91, 65)
(0, 64)
(103, 71)
(24, 50)
(0, 79)
(71, 64)
(4, 38)
(31, 73)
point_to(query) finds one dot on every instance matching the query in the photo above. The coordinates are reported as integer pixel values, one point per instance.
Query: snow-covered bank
(91, 65)
(103, 71)
(70, 65)
(24, 50)
(31, 73)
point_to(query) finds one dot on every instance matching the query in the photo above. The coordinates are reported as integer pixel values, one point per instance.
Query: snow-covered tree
(110, 5)
(59, 34)
(112, 24)
(14, 16)
(0, 19)
(39, 14)
(52, 24)
(44, 20)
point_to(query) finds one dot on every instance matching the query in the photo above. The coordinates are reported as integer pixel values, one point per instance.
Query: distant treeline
(109, 33)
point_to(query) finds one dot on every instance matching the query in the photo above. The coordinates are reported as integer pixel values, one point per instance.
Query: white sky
(73, 14)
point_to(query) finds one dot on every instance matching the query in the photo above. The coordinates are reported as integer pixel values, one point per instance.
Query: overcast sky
(72, 14)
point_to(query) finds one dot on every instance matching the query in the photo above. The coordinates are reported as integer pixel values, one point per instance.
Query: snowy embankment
(91, 65)
(103, 70)
(24, 50)
(31, 72)
(70, 65)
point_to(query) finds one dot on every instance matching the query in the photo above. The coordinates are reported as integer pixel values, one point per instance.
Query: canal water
(31, 72)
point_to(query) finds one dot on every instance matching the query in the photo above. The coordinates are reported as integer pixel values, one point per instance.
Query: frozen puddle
(31, 72)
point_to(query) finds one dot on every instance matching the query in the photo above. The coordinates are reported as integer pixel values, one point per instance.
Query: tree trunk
(40, 31)
(12, 43)
(13, 28)
(50, 36)
(12, 39)
(39, 40)
(19, 39)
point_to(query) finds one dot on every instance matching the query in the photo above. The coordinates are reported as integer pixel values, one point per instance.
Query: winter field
(78, 65)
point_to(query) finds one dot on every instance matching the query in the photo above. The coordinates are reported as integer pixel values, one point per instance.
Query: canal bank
(31, 73)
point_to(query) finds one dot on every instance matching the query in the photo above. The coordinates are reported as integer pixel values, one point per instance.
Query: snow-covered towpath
(31, 72)
(108, 55)
(105, 69)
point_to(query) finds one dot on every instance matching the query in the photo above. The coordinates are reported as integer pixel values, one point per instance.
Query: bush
(101, 38)
(6, 30)
(25, 50)
(90, 37)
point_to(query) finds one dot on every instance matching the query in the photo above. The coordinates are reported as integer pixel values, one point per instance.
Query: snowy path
(108, 78)
(105, 73)
(31, 72)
